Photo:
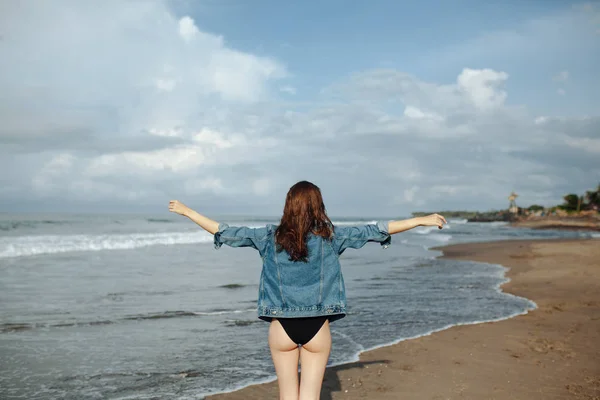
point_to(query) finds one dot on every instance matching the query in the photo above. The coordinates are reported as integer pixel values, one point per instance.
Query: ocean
(143, 307)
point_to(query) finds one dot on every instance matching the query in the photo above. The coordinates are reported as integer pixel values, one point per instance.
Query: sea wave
(353, 223)
(441, 237)
(12, 225)
(498, 223)
(22, 246)
(11, 327)
(160, 220)
(424, 230)
(33, 245)
(174, 314)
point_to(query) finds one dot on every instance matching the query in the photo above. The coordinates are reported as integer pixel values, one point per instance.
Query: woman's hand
(178, 208)
(433, 220)
(206, 223)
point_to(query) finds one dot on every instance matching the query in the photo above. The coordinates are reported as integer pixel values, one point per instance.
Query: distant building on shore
(512, 206)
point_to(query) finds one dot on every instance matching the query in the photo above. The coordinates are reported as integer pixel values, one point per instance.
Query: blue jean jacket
(291, 289)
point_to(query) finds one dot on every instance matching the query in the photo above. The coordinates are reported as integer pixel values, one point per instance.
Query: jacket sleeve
(241, 236)
(357, 236)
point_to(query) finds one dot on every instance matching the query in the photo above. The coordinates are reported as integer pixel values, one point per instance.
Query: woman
(301, 287)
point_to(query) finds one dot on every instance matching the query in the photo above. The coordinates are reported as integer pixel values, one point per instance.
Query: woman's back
(310, 288)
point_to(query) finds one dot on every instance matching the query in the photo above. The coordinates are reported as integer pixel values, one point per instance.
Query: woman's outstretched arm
(410, 223)
(357, 236)
(206, 223)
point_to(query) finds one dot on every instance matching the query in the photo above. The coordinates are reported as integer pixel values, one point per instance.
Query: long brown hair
(304, 212)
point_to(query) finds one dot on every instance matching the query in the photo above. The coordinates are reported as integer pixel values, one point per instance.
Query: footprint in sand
(544, 346)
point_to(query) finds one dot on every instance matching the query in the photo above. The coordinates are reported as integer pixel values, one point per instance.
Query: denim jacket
(292, 289)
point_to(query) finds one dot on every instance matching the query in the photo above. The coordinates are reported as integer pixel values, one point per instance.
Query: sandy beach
(581, 223)
(552, 352)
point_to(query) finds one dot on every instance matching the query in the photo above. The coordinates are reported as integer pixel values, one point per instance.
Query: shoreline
(575, 223)
(354, 379)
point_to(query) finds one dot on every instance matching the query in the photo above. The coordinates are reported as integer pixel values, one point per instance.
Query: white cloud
(216, 139)
(446, 189)
(414, 112)
(166, 85)
(48, 178)
(288, 89)
(206, 147)
(166, 132)
(482, 87)
(127, 67)
(592, 12)
(60, 162)
(188, 29)
(130, 103)
(541, 46)
(475, 90)
(586, 144)
(177, 159)
(412, 158)
(562, 76)
(409, 194)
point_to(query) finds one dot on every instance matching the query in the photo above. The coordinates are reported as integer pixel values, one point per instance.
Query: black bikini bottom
(301, 330)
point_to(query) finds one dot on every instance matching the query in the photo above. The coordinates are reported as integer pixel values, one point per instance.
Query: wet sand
(553, 352)
(584, 223)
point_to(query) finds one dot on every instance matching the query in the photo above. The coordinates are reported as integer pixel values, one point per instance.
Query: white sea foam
(433, 234)
(441, 237)
(497, 223)
(501, 271)
(424, 230)
(359, 346)
(458, 221)
(353, 223)
(224, 312)
(21, 246)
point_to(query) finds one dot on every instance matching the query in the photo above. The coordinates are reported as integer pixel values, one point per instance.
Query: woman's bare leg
(313, 361)
(285, 355)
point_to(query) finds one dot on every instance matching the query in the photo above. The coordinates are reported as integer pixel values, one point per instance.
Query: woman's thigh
(285, 354)
(313, 361)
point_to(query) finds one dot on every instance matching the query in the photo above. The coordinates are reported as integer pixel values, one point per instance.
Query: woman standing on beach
(301, 288)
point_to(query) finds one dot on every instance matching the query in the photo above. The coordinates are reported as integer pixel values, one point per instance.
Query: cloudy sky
(388, 106)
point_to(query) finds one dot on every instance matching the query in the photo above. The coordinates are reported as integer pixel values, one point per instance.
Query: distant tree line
(573, 202)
